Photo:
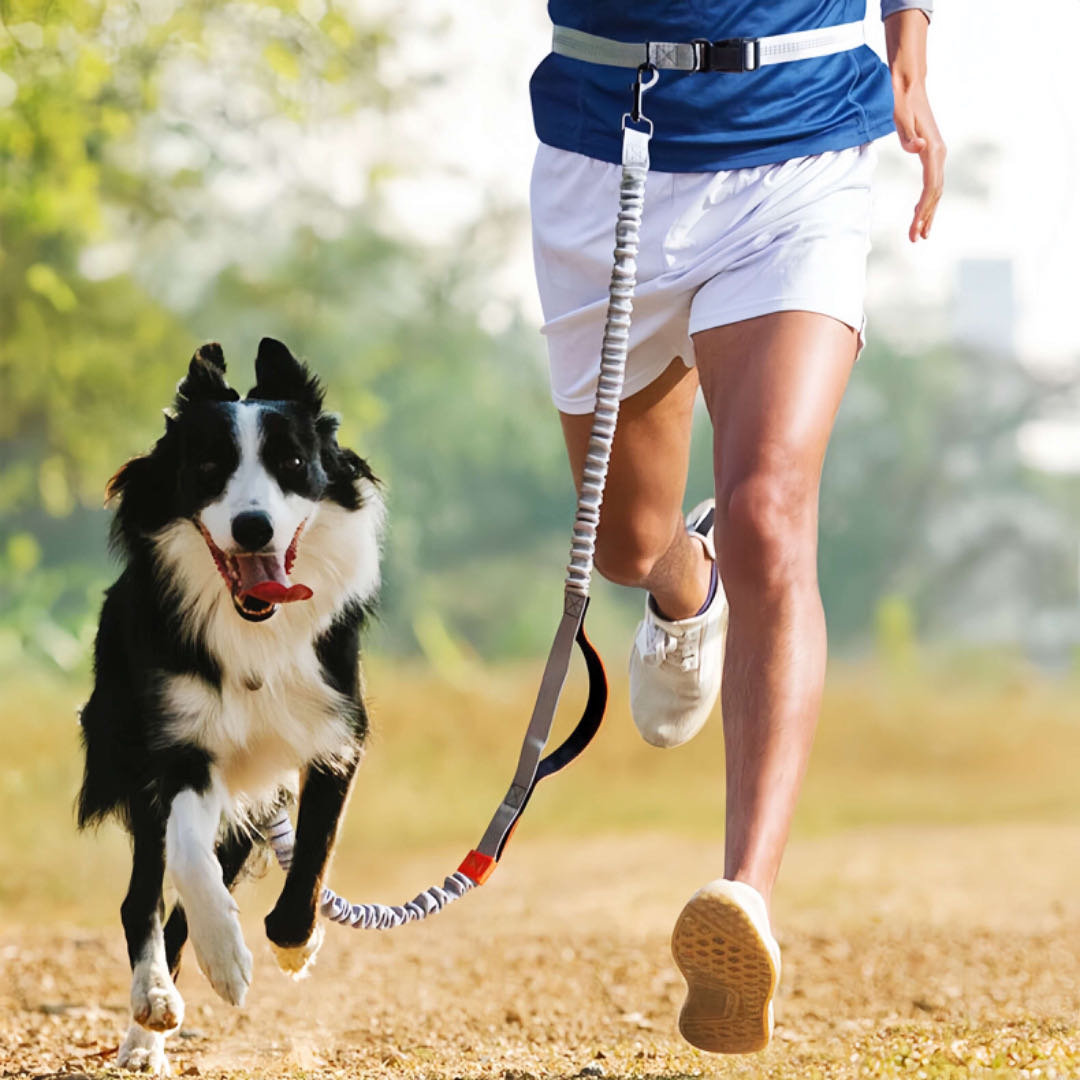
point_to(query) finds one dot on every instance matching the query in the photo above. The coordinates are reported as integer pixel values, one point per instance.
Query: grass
(921, 747)
(903, 953)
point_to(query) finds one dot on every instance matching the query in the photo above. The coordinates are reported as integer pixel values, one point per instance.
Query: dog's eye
(293, 463)
(208, 468)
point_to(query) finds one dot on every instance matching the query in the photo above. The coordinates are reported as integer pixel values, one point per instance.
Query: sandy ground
(923, 953)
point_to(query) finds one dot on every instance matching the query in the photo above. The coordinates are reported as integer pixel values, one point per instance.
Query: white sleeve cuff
(891, 7)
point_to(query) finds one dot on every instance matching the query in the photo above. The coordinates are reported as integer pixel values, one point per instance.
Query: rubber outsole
(730, 976)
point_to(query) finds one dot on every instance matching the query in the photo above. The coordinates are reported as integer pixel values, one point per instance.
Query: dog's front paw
(291, 925)
(155, 1002)
(143, 1051)
(222, 954)
(297, 960)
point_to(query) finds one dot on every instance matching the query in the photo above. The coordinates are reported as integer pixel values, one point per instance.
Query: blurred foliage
(71, 348)
(124, 122)
(168, 175)
(932, 527)
(927, 500)
(92, 97)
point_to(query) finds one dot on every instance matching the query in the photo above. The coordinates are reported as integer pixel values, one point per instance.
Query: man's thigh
(773, 385)
(649, 459)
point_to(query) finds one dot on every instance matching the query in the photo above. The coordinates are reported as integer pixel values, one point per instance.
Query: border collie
(226, 668)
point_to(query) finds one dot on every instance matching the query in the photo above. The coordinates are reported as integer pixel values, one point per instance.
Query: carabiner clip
(640, 86)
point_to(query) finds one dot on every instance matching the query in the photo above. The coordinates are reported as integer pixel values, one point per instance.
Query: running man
(751, 278)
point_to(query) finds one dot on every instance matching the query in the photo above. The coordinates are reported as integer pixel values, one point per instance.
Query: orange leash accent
(477, 867)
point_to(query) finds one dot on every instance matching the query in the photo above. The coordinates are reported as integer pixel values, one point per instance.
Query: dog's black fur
(187, 676)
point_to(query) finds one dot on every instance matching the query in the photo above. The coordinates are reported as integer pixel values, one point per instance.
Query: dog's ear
(124, 477)
(141, 492)
(342, 466)
(279, 376)
(205, 379)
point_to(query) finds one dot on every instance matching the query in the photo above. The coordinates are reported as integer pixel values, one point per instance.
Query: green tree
(108, 155)
(93, 91)
(926, 497)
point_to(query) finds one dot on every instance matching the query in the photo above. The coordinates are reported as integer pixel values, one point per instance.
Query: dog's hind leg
(232, 852)
(156, 1007)
(211, 913)
(291, 926)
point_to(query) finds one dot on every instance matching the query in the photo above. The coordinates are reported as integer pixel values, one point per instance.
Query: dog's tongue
(263, 576)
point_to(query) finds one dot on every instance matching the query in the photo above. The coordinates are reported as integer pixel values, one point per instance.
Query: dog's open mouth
(258, 582)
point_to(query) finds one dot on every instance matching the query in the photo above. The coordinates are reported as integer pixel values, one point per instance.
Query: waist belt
(729, 55)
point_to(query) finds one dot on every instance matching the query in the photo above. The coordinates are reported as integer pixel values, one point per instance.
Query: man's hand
(905, 36)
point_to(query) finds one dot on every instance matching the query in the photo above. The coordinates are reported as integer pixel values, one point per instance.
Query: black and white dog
(227, 672)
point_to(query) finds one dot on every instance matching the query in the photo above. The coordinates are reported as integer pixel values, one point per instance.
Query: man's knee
(767, 532)
(626, 553)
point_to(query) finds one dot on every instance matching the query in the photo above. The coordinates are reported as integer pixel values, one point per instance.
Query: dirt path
(922, 953)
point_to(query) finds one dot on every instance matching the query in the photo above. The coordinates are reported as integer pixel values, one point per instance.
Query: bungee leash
(731, 55)
(532, 766)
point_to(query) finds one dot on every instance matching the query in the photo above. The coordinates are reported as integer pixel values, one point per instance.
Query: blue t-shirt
(706, 121)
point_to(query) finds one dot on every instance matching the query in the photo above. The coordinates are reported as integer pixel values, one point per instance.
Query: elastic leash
(731, 55)
(532, 767)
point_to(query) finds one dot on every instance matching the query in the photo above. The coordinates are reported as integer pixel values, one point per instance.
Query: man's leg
(642, 540)
(773, 386)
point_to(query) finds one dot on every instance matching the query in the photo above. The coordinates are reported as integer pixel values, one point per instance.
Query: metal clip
(639, 90)
(636, 116)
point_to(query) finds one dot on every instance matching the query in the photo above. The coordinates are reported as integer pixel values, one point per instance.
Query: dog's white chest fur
(256, 736)
(295, 716)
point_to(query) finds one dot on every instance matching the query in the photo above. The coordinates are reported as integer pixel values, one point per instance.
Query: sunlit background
(351, 177)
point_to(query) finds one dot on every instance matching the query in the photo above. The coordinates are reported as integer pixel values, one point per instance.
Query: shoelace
(662, 646)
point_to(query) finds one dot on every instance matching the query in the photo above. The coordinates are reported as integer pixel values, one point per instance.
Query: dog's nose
(252, 529)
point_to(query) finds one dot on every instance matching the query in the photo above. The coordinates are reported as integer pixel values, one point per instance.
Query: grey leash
(734, 55)
(532, 766)
(730, 55)
(281, 838)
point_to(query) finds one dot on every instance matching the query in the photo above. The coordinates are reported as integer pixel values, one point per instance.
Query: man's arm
(905, 39)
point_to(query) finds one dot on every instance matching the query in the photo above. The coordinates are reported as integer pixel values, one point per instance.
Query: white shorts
(715, 248)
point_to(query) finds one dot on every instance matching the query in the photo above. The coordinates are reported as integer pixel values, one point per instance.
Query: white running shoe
(676, 666)
(725, 950)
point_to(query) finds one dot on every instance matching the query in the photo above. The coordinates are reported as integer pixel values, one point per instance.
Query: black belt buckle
(734, 55)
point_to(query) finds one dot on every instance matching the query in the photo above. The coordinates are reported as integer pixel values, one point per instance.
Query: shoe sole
(730, 977)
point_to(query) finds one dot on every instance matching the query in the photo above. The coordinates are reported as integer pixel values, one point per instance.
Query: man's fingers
(922, 220)
(925, 209)
(919, 134)
(933, 162)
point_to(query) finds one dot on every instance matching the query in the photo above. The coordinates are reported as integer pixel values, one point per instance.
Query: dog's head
(251, 475)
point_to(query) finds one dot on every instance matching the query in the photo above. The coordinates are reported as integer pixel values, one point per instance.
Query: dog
(226, 669)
